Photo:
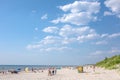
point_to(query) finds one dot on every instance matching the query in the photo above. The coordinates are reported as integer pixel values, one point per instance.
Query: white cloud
(66, 35)
(68, 40)
(106, 53)
(35, 46)
(55, 49)
(87, 37)
(69, 31)
(45, 16)
(101, 42)
(80, 34)
(110, 36)
(79, 12)
(51, 29)
(114, 35)
(65, 31)
(51, 40)
(104, 35)
(34, 11)
(97, 53)
(82, 6)
(69, 36)
(106, 13)
(114, 50)
(104, 39)
(81, 18)
(47, 45)
(47, 49)
(114, 7)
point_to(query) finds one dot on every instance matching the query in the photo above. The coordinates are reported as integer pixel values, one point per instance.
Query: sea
(22, 67)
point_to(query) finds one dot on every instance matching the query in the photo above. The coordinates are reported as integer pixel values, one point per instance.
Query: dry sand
(65, 74)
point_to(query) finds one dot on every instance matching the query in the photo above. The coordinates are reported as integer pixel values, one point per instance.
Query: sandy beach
(65, 74)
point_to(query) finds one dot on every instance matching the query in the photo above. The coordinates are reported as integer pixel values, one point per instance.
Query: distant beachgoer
(53, 71)
(32, 70)
(93, 68)
(49, 72)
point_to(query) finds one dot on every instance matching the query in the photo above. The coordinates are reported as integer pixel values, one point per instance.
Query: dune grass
(110, 63)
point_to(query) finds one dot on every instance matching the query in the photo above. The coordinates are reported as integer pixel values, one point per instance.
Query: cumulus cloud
(114, 7)
(101, 42)
(98, 52)
(69, 31)
(55, 49)
(115, 51)
(110, 36)
(104, 35)
(64, 36)
(81, 6)
(114, 35)
(67, 36)
(106, 53)
(49, 43)
(104, 39)
(106, 13)
(79, 12)
(45, 16)
(50, 40)
(51, 29)
(80, 34)
(87, 37)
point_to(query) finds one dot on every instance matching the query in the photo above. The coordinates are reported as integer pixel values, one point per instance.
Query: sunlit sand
(65, 74)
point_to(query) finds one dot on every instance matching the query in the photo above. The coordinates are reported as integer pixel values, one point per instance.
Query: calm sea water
(22, 67)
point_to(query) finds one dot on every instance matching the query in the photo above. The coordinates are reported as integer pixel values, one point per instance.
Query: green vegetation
(110, 63)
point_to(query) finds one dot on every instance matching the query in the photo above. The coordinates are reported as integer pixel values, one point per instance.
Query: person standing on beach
(49, 72)
(32, 70)
(93, 68)
(53, 71)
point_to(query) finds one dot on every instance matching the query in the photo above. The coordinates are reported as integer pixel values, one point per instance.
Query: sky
(58, 32)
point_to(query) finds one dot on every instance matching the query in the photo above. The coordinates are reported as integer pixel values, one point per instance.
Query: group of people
(90, 68)
(52, 71)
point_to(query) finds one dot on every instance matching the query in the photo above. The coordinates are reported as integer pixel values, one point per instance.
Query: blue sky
(55, 32)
